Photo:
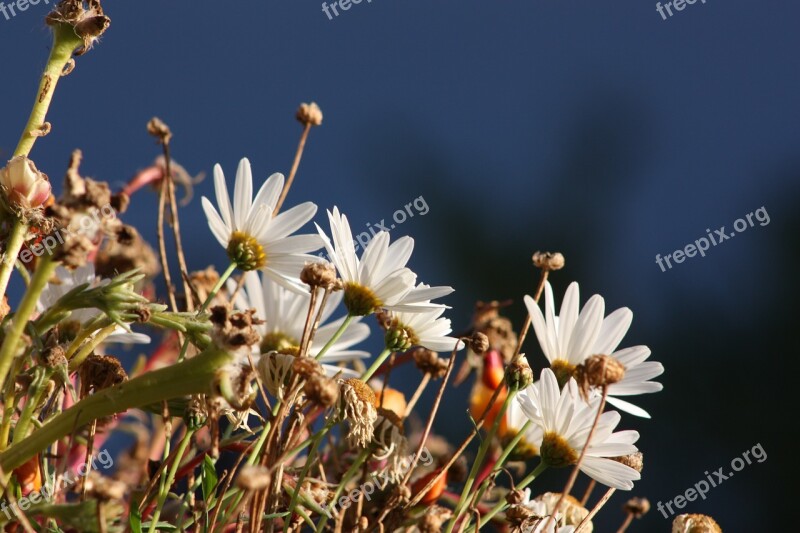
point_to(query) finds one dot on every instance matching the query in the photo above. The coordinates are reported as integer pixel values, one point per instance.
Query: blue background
(593, 128)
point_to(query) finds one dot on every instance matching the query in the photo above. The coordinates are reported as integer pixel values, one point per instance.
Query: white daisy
(284, 313)
(252, 236)
(68, 280)
(428, 329)
(380, 278)
(566, 419)
(568, 339)
(515, 419)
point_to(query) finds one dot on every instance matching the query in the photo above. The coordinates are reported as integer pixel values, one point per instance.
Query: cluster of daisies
(554, 415)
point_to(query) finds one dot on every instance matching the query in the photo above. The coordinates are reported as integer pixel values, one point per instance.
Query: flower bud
(24, 186)
(519, 375)
(479, 342)
(318, 275)
(309, 114)
(638, 507)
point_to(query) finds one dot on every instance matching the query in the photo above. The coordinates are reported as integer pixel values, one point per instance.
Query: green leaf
(209, 478)
(135, 521)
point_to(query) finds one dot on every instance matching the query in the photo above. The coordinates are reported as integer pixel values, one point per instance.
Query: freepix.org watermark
(334, 8)
(102, 460)
(10, 9)
(678, 5)
(702, 487)
(703, 244)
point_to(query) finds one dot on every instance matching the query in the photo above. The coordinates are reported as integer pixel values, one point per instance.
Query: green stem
(65, 41)
(485, 444)
(167, 482)
(376, 364)
(44, 270)
(312, 452)
(37, 389)
(541, 467)
(339, 332)
(193, 376)
(14, 244)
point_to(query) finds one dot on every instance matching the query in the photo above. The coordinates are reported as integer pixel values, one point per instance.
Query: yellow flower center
(279, 342)
(556, 451)
(360, 300)
(563, 371)
(246, 251)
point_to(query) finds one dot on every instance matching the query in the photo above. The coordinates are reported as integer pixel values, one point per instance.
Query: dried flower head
(321, 390)
(235, 330)
(598, 371)
(634, 460)
(133, 254)
(104, 488)
(429, 362)
(309, 114)
(479, 342)
(695, 523)
(392, 445)
(253, 477)
(550, 261)
(99, 372)
(433, 519)
(498, 329)
(24, 187)
(275, 370)
(88, 22)
(322, 274)
(638, 507)
(358, 407)
(571, 512)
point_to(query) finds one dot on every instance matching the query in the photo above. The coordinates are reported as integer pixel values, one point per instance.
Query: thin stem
(596, 509)
(176, 227)
(339, 332)
(365, 453)
(588, 492)
(541, 467)
(626, 523)
(14, 244)
(162, 243)
(576, 469)
(376, 364)
(44, 270)
(164, 489)
(417, 394)
(295, 165)
(487, 442)
(86, 350)
(65, 41)
(222, 279)
(312, 451)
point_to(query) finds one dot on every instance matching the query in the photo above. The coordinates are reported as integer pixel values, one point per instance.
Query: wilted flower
(358, 407)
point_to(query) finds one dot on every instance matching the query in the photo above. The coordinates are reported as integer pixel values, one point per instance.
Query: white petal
(223, 201)
(614, 328)
(291, 220)
(242, 193)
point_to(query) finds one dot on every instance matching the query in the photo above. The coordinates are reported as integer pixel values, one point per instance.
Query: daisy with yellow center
(253, 236)
(380, 278)
(565, 421)
(570, 338)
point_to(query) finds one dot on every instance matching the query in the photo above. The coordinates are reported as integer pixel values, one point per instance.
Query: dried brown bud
(429, 362)
(515, 497)
(134, 253)
(549, 261)
(54, 356)
(318, 275)
(321, 390)
(598, 371)
(634, 460)
(120, 202)
(479, 342)
(433, 519)
(305, 367)
(695, 523)
(104, 488)
(309, 114)
(517, 514)
(100, 372)
(638, 507)
(158, 129)
(235, 329)
(253, 477)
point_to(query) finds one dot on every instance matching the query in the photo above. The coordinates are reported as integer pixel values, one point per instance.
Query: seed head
(549, 261)
(321, 390)
(634, 460)
(358, 407)
(321, 274)
(638, 507)
(598, 371)
(695, 523)
(309, 114)
(479, 342)
(429, 362)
